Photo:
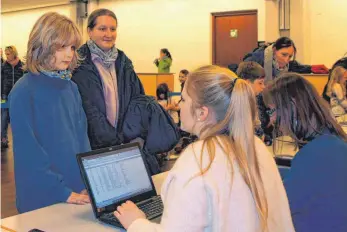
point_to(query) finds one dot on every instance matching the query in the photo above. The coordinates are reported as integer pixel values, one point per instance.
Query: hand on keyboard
(127, 213)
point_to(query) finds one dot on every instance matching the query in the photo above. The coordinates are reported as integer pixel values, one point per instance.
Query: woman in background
(274, 58)
(49, 125)
(340, 63)
(336, 91)
(316, 183)
(165, 101)
(164, 61)
(11, 72)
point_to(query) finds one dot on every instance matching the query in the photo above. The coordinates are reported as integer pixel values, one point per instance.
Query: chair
(284, 163)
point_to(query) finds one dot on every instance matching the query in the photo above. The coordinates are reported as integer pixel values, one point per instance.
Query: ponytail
(233, 102)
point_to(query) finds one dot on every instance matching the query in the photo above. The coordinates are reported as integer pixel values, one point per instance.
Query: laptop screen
(116, 175)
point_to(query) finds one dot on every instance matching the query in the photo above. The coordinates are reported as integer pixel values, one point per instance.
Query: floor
(8, 191)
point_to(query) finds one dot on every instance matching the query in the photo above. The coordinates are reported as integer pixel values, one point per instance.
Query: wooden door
(234, 34)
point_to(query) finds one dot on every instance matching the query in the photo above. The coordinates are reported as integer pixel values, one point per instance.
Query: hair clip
(233, 82)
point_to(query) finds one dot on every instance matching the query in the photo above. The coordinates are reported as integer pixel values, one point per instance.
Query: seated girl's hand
(127, 213)
(78, 199)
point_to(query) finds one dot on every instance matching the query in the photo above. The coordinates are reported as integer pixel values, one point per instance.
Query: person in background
(336, 91)
(106, 80)
(4, 112)
(2, 78)
(182, 77)
(226, 181)
(339, 63)
(316, 183)
(49, 125)
(164, 61)
(274, 58)
(186, 138)
(254, 75)
(11, 72)
(166, 102)
(2, 58)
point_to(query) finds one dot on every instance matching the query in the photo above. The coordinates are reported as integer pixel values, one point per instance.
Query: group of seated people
(225, 181)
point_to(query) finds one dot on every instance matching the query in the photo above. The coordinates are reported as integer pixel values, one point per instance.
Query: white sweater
(215, 202)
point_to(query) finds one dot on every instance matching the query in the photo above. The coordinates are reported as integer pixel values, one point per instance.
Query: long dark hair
(284, 42)
(166, 52)
(163, 88)
(301, 112)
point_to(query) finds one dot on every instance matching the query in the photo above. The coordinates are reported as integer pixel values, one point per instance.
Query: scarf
(107, 58)
(272, 70)
(65, 74)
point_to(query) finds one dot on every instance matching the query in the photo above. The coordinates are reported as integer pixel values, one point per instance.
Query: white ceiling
(15, 5)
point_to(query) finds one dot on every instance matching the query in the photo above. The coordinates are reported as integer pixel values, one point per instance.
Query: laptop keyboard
(152, 208)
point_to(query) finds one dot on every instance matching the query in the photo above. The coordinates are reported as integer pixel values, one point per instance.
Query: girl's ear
(202, 113)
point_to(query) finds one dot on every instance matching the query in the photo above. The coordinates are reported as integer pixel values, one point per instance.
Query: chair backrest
(284, 163)
(284, 160)
(171, 94)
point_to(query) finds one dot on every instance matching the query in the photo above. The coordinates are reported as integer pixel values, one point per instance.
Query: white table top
(64, 217)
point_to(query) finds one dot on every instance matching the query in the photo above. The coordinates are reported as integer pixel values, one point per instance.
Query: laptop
(115, 175)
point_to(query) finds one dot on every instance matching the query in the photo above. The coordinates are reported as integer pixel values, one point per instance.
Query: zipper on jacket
(12, 76)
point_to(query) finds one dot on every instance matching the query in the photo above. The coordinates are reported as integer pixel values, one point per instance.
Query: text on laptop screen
(116, 175)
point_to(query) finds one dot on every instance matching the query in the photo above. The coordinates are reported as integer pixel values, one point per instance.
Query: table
(150, 81)
(64, 217)
(317, 80)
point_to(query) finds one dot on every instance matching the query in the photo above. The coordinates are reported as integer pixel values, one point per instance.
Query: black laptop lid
(115, 175)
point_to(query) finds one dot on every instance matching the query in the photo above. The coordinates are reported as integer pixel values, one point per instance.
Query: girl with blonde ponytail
(226, 181)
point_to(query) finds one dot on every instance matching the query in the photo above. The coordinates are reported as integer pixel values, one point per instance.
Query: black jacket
(146, 119)
(9, 76)
(257, 55)
(101, 133)
(86, 76)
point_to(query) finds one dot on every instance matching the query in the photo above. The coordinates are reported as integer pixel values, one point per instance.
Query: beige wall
(16, 26)
(271, 21)
(318, 29)
(182, 26)
(328, 31)
(146, 26)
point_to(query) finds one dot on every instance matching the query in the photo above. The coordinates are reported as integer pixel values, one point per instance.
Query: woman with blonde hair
(11, 72)
(226, 181)
(336, 90)
(49, 125)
